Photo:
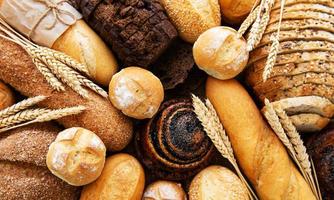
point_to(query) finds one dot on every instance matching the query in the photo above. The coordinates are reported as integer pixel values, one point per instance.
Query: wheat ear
(272, 56)
(22, 116)
(255, 27)
(88, 83)
(21, 106)
(67, 60)
(215, 131)
(248, 22)
(47, 115)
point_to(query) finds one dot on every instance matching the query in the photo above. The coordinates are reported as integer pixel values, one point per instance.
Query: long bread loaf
(17, 69)
(259, 152)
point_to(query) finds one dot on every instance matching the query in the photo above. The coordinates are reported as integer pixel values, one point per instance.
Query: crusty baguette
(23, 170)
(17, 69)
(259, 152)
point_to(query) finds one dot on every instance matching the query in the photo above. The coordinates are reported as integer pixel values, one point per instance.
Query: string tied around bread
(57, 11)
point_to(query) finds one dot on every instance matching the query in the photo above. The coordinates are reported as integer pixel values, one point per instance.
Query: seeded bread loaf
(23, 170)
(17, 69)
(137, 30)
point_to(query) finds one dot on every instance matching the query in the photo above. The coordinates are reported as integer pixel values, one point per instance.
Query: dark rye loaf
(138, 31)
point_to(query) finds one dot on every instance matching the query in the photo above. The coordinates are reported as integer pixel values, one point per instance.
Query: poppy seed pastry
(303, 67)
(23, 170)
(173, 145)
(321, 149)
(137, 30)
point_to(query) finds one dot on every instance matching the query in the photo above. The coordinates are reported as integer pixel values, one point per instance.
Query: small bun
(216, 182)
(220, 53)
(161, 190)
(6, 96)
(122, 178)
(136, 92)
(77, 156)
(235, 11)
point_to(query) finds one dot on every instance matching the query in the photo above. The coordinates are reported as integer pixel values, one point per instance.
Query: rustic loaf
(17, 69)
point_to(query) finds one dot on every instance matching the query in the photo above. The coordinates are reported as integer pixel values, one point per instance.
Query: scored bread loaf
(23, 170)
(259, 152)
(18, 70)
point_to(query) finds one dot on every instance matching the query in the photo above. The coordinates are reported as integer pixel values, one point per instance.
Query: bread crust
(328, 3)
(17, 69)
(259, 152)
(309, 122)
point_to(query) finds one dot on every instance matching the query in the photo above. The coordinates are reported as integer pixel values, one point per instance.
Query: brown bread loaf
(137, 30)
(23, 170)
(17, 69)
(259, 152)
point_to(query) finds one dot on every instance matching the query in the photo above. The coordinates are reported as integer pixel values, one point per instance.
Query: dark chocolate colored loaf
(139, 31)
(321, 149)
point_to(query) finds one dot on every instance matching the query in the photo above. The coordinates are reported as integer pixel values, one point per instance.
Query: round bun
(6, 96)
(136, 92)
(192, 18)
(77, 156)
(122, 178)
(220, 53)
(160, 190)
(216, 182)
(235, 11)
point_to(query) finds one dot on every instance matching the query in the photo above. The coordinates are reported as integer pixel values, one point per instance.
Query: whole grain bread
(138, 31)
(328, 3)
(17, 69)
(23, 170)
(302, 15)
(306, 7)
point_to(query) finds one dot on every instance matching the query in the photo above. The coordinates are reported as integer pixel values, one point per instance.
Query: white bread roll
(259, 152)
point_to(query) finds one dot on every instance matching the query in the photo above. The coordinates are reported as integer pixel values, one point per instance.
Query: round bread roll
(6, 96)
(77, 156)
(235, 11)
(161, 190)
(136, 92)
(220, 53)
(122, 178)
(192, 18)
(83, 44)
(216, 182)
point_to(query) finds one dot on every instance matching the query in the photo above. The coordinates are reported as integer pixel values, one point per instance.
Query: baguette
(17, 69)
(259, 152)
(23, 170)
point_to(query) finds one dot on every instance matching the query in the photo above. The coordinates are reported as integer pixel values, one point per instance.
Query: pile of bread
(145, 140)
(304, 63)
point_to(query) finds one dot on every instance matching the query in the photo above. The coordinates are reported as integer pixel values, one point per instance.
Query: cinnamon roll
(173, 143)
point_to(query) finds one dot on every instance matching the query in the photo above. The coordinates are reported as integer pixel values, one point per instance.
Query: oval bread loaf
(17, 69)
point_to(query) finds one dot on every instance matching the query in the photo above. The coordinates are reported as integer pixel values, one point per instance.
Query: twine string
(57, 13)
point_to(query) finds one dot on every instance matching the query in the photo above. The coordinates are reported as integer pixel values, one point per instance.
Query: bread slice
(303, 34)
(293, 46)
(328, 3)
(308, 89)
(305, 7)
(302, 15)
(298, 57)
(309, 122)
(286, 82)
(294, 24)
(307, 104)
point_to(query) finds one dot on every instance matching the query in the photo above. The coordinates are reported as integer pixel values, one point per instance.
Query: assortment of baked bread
(146, 139)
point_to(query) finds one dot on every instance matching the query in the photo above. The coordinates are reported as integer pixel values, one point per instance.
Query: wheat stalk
(271, 60)
(255, 27)
(248, 22)
(287, 133)
(67, 60)
(49, 76)
(88, 83)
(23, 116)
(215, 131)
(21, 106)
(39, 115)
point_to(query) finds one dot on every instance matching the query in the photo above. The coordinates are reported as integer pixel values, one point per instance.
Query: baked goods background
(151, 56)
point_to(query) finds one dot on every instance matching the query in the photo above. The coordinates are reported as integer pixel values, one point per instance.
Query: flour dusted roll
(259, 152)
(17, 69)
